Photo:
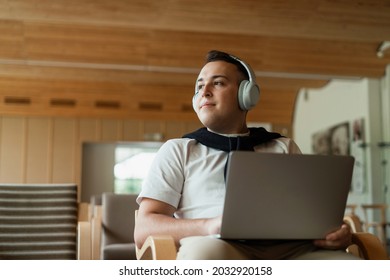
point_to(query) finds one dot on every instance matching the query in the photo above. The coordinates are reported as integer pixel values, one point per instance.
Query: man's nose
(206, 90)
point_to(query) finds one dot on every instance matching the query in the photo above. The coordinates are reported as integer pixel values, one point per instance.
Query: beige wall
(48, 149)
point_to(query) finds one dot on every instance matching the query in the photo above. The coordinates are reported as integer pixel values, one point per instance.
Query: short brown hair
(215, 55)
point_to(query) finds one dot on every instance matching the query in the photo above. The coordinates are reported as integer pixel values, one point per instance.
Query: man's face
(216, 104)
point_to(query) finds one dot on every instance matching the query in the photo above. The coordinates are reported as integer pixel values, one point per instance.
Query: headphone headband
(251, 74)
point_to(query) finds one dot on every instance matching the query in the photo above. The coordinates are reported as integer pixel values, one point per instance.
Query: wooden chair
(370, 247)
(351, 208)
(379, 226)
(83, 231)
(364, 245)
(118, 226)
(89, 235)
(367, 245)
(84, 245)
(84, 211)
(108, 235)
(156, 247)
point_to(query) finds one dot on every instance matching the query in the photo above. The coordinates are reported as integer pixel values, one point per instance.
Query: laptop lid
(284, 196)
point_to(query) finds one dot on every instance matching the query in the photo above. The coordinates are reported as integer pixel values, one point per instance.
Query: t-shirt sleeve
(164, 181)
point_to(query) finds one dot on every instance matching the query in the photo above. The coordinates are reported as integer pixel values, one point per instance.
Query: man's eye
(200, 87)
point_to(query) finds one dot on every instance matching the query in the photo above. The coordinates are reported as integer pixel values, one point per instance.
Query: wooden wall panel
(12, 149)
(38, 150)
(110, 130)
(88, 130)
(153, 130)
(64, 150)
(132, 130)
(192, 126)
(49, 149)
(175, 129)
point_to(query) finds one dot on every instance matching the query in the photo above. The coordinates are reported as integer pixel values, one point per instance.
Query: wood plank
(134, 46)
(310, 19)
(11, 39)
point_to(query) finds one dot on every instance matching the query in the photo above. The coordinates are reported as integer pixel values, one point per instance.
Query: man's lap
(211, 248)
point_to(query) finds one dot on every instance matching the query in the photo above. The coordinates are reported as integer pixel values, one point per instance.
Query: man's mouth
(206, 104)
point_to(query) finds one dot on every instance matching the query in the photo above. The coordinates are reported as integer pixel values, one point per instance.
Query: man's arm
(156, 218)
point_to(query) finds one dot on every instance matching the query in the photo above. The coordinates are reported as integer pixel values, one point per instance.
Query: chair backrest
(118, 218)
(96, 199)
(84, 211)
(377, 221)
(38, 221)
(351, 208)
(380, 208)
(94, 203)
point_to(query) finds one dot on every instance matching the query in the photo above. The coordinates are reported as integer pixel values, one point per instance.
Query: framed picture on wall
(332, 141)
(358, 152)
(346, 138)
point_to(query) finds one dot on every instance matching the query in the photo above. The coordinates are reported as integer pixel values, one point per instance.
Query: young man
(184, 191)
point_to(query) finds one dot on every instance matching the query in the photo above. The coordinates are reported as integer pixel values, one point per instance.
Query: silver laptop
(280, 196)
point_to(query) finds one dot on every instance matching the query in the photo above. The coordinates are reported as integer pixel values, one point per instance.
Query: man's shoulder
(179, 141)
(178, 144)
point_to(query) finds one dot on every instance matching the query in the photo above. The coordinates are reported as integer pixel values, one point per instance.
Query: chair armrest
(84, 241)
(96, 233)
(370, 246)
(157, 248)
(83, 211)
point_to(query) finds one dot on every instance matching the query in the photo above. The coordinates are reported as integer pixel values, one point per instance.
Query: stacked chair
(38, 221)
(108, 235)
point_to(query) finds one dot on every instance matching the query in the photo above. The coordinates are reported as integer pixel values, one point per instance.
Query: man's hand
(339, 239)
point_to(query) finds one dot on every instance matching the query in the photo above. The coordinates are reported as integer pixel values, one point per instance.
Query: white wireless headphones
(248, 91)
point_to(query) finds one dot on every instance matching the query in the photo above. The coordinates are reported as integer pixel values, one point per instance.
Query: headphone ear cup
(248, 95)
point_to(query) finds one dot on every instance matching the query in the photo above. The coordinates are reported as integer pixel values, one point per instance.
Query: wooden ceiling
(140, 58)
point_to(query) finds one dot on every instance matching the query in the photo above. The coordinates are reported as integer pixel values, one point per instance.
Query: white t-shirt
(190, 176)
